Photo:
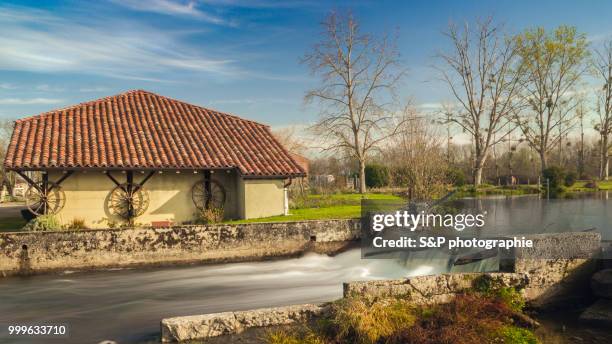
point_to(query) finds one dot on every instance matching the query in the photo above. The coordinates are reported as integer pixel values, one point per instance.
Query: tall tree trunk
(362, 178)
(478, 167)
(543, 159)
(603, 158)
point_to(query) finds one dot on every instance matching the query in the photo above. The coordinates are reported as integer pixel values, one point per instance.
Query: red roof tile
(143, 130)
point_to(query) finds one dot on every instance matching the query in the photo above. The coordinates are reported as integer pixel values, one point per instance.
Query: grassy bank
(589, 186)
(324, 207)
(492, 190)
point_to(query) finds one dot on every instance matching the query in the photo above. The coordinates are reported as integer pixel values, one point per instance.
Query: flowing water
(127, 305)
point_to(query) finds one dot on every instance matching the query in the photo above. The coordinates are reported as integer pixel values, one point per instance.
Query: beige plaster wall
(169, 197)
(261, 197)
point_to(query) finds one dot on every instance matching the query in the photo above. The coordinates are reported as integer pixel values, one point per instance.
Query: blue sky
(237, 56)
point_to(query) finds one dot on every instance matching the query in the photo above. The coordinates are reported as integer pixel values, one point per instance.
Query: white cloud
(29, 101)
(173, 8)
(38, 41)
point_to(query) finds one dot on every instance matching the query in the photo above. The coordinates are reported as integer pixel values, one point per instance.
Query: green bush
(555, 176)
(377, 176)
(401, 176)
(456, 176)
(570, 178)
(511, 298)
(43, 223)
(517, 335)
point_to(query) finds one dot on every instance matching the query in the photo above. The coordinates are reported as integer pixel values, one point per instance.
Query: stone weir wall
(544, 282)
(32, 252)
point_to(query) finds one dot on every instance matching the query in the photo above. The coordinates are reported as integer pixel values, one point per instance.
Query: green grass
(11, 224)
(333, 206)
(580, 186)
(357, 197)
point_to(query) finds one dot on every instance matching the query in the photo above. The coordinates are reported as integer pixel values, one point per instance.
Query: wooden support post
(129, 191)
(207, 189)
(45, 190)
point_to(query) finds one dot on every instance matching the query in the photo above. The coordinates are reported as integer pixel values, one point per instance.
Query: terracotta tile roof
(143, 130)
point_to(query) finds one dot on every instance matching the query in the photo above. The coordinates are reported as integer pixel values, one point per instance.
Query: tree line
(523, 99)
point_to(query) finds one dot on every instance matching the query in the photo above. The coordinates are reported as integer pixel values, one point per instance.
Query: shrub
(456, 176)
(401, 176)
(210, 215)
(592, 184)
(43, 223)
(76, 223)
(376, 176)
(570, 178)
(555, 176)
(305, 336)
(356, 320)
(516, 335)
(511, 298)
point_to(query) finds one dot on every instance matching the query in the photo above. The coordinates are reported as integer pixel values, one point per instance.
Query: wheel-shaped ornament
(208, 194)
(128, 201)
(41, 200)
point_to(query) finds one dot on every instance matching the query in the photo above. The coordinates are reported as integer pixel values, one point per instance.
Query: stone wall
(430, 289)
(31, 252)
(544, 282)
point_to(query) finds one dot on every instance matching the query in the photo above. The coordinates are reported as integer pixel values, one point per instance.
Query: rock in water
(601, 283)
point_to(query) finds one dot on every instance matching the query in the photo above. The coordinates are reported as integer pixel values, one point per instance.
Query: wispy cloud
(94, 89)
(251, 101)
(29, 101)
(7, 86)
(173, 8)
(430, 106)
(49, 88)
(39, 41)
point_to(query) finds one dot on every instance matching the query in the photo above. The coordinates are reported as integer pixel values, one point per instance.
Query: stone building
(149, 159)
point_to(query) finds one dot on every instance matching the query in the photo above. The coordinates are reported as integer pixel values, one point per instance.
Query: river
(127, 305)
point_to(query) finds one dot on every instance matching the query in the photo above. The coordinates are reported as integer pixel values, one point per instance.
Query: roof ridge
(136, 91)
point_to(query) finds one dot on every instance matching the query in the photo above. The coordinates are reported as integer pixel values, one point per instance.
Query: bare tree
(8, 178)
(552, 64)
(418, 158)
(479, 72)
(290, 140)
(580, 115)
(358, 77)
(602, 63)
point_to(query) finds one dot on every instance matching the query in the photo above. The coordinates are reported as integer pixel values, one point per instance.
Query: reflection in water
(531, 214)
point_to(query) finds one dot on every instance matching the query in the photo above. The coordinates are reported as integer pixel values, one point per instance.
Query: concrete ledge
(216, 324)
